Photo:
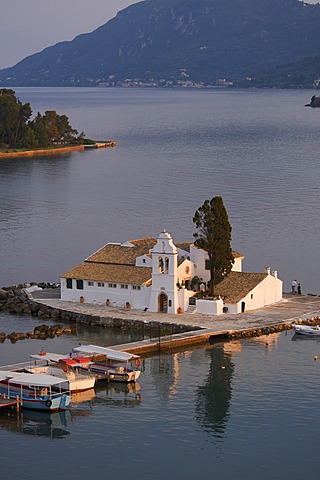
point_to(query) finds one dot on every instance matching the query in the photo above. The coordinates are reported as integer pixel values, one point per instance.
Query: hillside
(302, 74)
(199, 40)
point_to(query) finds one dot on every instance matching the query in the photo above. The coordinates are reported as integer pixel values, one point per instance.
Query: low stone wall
(40, 332)
(16, 300)
(257, 332)
(49, 151)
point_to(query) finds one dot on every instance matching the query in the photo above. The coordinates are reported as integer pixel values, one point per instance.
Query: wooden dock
(6, 402)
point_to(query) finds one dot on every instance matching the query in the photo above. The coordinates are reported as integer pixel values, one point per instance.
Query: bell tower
(164, 296)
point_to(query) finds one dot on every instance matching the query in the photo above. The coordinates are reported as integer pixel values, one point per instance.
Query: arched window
(160, 265)
(162, 303)
(167, 265)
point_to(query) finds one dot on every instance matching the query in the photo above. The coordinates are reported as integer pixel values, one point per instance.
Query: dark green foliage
(53, 129)
(17, 131)
(13, 118)
(302, 74)
(88, 141)
(214, 237)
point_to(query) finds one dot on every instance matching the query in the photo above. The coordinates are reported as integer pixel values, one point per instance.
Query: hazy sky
(28, 26)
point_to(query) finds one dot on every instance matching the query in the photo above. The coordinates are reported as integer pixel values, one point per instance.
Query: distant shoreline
(45, 151)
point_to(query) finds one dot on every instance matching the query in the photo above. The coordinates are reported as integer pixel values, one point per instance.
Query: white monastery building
(156, 275)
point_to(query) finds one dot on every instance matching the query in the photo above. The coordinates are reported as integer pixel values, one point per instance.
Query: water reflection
(214, 396)
(165, 373)
(305, 338)
(122, 394)
(81, 397)
(40, 424)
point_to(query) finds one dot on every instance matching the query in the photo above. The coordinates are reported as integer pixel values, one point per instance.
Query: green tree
(28, 139)
(13, 118)
(214, 237)
(50, 120)
(40, 131)
(66, 132)
(18, 131)
(9, 117)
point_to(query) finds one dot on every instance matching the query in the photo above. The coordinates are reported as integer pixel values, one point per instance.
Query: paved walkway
(291, 308)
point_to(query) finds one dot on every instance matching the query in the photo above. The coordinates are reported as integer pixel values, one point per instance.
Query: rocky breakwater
(17, 301)
(257, 332)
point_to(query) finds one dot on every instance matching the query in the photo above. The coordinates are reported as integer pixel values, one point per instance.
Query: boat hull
(115, 374)
(306, 330)
(48, 403)
(73, 383)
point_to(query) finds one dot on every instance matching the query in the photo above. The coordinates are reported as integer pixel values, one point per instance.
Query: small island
(314, 102)
(48, 133)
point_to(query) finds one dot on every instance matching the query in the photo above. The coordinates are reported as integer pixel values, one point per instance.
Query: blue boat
(35, 391)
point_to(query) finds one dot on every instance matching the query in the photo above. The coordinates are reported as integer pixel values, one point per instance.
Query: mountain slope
(159, 38)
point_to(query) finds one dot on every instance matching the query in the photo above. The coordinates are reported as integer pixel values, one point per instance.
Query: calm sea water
(259, 150)
(236, 411)
(258, 416)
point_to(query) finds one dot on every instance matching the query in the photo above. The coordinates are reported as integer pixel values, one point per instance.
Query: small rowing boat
(307, 329)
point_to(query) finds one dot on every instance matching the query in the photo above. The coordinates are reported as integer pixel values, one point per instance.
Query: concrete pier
(201, 328)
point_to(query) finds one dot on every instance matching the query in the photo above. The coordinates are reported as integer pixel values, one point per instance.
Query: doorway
(163, 303)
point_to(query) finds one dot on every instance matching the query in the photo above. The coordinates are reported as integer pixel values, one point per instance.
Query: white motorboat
(114, 363)
(73, 381)
(313, 330)
(70, 363)
(35, 391)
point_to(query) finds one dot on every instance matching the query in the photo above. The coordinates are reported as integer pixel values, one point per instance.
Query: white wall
(210, 307)
(185, 271)
(138, 299)
(268, 292)
(237, 266)
(199, 257)
(143, 261)
(183, 298)
(164, 280)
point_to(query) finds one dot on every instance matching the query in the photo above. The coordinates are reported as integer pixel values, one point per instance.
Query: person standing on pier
(294, 286)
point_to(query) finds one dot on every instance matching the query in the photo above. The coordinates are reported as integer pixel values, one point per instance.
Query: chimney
(275, 273)
(267, 270)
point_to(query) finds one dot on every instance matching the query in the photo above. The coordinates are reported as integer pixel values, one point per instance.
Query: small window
(161, 265)
(69, 282)
(100, 284)
(112, 285)
(170, 303)
(167, 264)
(207, 265)
(90, 284)
(143, 260)
(80, 284)
(124, 286)
(136, 287)
(251, 296)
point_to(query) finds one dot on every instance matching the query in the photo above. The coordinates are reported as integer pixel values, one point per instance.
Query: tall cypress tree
(214, 237)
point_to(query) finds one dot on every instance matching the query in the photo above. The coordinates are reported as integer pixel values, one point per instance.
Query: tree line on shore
(18, 131)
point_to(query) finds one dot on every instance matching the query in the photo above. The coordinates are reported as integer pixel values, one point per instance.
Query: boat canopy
(34, 379)
(7, 374)
(56, 357)
(110, 353)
